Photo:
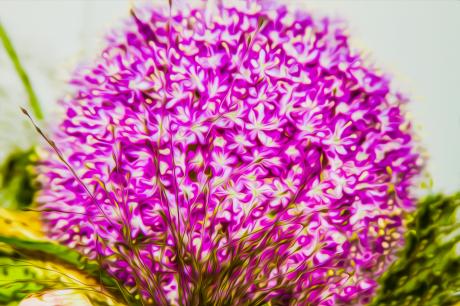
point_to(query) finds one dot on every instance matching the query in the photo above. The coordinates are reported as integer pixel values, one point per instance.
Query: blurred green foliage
(17, 185)
(427, 271)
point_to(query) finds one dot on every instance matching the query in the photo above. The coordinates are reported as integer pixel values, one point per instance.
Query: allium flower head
(232, 155)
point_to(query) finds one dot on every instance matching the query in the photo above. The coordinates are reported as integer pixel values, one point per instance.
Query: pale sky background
(416, 41)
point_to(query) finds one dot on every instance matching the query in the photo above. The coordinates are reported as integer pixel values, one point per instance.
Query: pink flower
(232, 154)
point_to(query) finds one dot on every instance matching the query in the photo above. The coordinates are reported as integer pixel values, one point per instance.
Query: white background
(418, 42)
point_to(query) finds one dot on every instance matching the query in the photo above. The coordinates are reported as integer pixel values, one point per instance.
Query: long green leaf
(22, 240)
(61, 256)
(33, 100)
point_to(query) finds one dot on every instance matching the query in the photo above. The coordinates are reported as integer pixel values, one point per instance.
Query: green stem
(33, 100)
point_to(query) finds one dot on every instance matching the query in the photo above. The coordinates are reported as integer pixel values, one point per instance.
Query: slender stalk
(33, 100)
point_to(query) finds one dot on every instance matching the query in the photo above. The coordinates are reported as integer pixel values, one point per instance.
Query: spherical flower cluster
(232, 155)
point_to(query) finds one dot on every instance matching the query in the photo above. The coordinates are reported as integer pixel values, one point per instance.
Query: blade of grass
(33, 100)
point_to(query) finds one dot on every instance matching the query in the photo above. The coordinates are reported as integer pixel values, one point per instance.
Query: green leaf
(33, 100)
(427, 271)
(32, 264)
(21, 276)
